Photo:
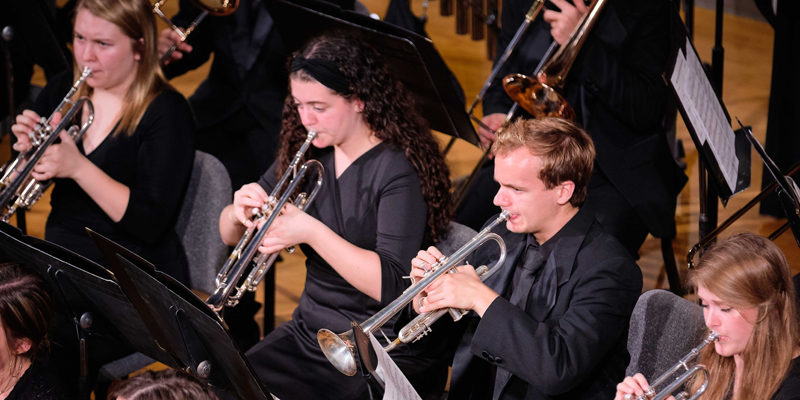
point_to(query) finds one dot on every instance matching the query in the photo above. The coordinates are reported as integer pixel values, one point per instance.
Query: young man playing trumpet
(552, 322)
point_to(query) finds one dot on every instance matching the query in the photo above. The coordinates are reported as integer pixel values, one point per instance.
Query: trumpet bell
(537, 98)
(338, 349)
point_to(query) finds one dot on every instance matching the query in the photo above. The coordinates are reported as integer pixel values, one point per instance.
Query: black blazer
(619, 96)
(575, 349)
(244, 73)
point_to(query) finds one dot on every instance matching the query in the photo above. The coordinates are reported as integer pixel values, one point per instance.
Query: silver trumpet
(339, 348)
(682, 378)
(246, 251)
(18, 189)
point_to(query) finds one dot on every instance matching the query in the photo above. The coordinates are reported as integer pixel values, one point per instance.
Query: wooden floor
(748, 58)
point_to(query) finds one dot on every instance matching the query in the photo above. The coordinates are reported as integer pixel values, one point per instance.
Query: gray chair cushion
(208, 193)
(456, 237)
(663, 329)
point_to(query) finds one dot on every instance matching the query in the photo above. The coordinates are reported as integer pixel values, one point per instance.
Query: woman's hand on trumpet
(290, 228)
(62, 160)
(249, 197)
(25, 124)
(633, 387)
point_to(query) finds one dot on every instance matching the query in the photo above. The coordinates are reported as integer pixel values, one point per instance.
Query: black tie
(533, 262)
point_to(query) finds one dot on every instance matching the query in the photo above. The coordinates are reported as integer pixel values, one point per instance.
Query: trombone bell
(537, 98)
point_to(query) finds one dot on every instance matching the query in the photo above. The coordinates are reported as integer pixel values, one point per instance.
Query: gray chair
(208, 192)
(456, 236)
(663, 329)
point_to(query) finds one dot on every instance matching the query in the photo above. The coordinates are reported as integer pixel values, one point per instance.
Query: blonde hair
(136, 20)
(747, 271)
(566, 150)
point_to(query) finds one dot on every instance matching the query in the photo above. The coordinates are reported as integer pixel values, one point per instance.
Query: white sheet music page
(705, 112)
(397, 385)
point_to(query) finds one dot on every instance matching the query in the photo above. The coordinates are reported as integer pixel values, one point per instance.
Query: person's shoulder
(790, 387)
(599, 245)
(169, 99)
(391, 161)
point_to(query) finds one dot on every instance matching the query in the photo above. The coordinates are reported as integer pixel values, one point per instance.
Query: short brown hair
(25, 308)
(163, 385)
(566, 149)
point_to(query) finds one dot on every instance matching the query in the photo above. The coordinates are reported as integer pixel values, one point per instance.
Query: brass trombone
(339, 348)
(246, 251)
(218, 8)
(540, 95)
(18, 189)
(681, 379)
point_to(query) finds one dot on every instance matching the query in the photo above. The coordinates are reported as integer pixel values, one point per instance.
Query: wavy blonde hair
(136, 20)
(749, 271)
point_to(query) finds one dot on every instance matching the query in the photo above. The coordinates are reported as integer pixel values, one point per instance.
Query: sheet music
(705, 113)
(397, 386)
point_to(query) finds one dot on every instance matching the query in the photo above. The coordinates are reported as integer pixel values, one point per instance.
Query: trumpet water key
(18, 189)
(246, 251)
(339, 348)
(678, 381)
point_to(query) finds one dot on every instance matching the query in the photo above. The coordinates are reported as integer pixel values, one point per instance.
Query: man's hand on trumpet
(462, 289)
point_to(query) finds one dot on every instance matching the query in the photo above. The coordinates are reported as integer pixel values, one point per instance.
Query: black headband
(324, 71)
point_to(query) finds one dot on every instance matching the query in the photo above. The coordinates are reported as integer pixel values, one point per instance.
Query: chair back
(663, 329)
(209, 191)
(456, 236)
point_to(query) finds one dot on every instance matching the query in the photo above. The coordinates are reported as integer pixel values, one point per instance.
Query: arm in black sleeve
(201, 39)
(623, 60)
(525, 56)
(557, 354)
(164, 164)
(402, 218)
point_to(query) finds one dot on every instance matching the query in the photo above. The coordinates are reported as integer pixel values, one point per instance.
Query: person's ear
(565, 191)
(22, 346)
(137, 55)
(358, 105)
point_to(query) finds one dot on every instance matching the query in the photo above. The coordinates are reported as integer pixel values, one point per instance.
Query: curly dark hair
(167, 384)
(388, 111)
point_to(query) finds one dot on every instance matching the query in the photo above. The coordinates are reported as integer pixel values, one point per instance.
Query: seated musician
(384, 193)
(552, 322)
(25, 312)
(168, 384)
(127, 177)
(746, 291)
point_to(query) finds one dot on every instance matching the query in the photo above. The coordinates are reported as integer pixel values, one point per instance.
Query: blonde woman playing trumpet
(745, 289)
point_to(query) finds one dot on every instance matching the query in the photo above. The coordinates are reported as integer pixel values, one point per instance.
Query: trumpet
(338, 349)
(681, 379)
(18, 189)
(246, 249)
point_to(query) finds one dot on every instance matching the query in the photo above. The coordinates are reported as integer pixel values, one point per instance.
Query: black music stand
(86, 294)
(788, 192)
(368, 362)
(182, 325)
(412, 58)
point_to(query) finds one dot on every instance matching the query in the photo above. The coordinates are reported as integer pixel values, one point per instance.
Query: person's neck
(353, 148)
(555, 224)
(11, 374)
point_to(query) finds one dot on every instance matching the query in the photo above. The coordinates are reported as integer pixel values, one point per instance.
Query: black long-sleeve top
(154, 163)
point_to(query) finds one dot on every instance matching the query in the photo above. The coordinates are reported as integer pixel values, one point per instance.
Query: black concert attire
(560, 327)
(790, 387)
(37, 383)
(238, 106)
(375, 204)
(154, 162)
(620, 98)
(782, 143)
